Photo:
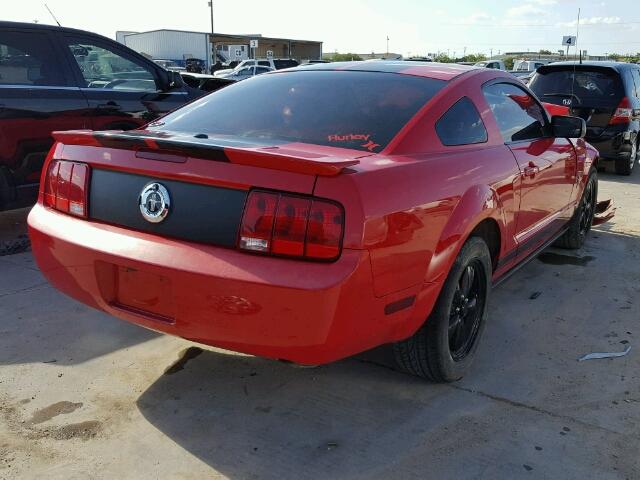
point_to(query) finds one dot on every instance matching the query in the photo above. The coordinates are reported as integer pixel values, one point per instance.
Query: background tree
(342, 57)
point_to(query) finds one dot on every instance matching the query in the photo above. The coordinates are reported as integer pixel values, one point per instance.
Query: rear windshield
(359, 110)
(602, 84)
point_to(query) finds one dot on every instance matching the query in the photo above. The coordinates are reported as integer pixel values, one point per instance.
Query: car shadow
(249, 417)
(607, 172)
(41, 325)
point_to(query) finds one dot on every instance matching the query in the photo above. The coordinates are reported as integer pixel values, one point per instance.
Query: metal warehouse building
(178, 45)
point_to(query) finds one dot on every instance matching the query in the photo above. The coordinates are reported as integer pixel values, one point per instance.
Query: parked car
(243, 73)
(359, 205)
(526, 67)
(195, 65)
(204, 82)
(170, 65)
(277, 64)
(54, 78)
(492, 64)
(607, 96)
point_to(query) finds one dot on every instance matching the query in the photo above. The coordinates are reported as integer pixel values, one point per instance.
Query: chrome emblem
(154, 202)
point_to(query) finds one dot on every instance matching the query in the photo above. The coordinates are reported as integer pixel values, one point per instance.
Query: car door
(37, 96)
(123, 90)
(548, 165)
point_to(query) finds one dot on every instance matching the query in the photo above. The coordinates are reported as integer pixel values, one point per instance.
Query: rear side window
(358, 110)
(461, 125)
(29, 59)
(636, 78)
(602, 84)
(517, 113)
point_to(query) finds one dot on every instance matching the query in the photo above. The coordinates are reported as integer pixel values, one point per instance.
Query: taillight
(66, 187)
(291, 226)
(623, 113)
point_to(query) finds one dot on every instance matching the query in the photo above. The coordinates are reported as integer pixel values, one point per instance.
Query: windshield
(603, 84)
(360, 110)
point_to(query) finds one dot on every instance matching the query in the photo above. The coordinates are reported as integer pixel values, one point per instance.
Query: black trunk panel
(198, 213)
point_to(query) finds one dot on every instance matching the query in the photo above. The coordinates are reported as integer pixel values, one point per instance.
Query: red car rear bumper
(309, 313)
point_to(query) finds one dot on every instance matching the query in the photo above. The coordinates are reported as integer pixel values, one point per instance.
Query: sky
(413, 27)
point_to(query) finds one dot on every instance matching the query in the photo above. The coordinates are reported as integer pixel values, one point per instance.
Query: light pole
(211, 7)
(387, 46)
(212, 42)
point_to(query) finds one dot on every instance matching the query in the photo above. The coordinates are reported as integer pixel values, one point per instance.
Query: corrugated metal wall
(171, 45)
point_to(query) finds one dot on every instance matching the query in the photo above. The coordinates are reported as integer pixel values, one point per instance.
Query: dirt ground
(83, 395)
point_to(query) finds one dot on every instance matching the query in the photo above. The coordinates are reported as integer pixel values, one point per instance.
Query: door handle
(530, 170)
(108, 106)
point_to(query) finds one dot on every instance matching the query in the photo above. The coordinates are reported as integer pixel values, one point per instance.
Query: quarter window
(461, 125)
(106, 69)
(28, 59)
(519, 116)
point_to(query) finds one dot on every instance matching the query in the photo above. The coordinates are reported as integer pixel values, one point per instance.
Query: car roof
(41, 26)
(439, 71)
(605, 64)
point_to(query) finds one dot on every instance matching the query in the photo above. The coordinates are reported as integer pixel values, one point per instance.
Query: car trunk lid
(208, 180)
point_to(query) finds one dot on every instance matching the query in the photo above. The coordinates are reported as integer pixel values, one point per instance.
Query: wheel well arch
(489, 231)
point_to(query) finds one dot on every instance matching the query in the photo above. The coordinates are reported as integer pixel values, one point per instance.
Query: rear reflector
(292, 226)
(65, 187)
(623, 113)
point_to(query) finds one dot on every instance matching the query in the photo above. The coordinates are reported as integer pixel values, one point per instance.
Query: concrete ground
(83, 395)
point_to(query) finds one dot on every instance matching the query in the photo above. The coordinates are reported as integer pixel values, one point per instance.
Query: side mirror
(170, 79)
(568, 127)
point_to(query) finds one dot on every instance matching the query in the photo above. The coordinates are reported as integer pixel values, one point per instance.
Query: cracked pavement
(84, 395)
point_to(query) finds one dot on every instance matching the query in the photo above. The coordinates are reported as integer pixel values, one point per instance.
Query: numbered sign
(253, 43)
(569, 41)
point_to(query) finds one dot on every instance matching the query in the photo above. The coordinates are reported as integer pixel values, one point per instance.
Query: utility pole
(387, 46)
(211, 7)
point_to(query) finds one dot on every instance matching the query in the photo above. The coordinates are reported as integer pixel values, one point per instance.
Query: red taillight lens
(257, 223)
(291, 226)
(66, 187)
(325, 230)
(623, 113)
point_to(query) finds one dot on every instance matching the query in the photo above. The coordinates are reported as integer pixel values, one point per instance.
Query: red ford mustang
(315, 213)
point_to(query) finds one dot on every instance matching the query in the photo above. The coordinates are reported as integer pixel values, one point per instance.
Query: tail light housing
(623, 113)
(292, 226)
(66, 187)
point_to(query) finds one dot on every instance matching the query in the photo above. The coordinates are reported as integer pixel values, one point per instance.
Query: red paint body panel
(299, 311)
(408, 211)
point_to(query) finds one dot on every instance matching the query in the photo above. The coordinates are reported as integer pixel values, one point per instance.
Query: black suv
(607, 96)
(54, 78)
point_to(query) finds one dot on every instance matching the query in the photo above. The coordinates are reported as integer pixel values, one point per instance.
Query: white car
(277, 64)
(245, 72)
(527, 65)
(170, 65)
(494, 64)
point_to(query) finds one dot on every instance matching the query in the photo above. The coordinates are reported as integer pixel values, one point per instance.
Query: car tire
(582, 219)
(432, 352)
(625, 166)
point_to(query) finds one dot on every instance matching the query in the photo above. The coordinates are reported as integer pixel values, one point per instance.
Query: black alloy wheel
(466, 310)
